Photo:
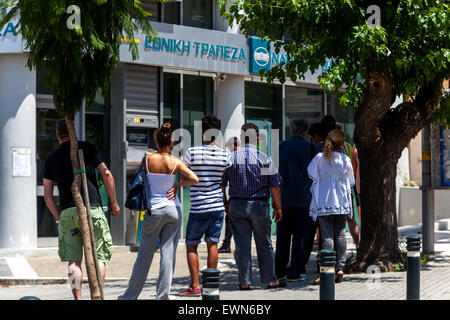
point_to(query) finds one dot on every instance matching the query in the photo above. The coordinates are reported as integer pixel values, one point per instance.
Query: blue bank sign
(9, 30)
(10, 39)
(196, 48)
(190, 48)
(262, 57)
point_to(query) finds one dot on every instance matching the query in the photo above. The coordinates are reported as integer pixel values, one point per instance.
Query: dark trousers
(228, 232)
(294, 226)
(312, 233)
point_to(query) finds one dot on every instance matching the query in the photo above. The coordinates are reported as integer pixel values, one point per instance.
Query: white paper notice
(21, 162)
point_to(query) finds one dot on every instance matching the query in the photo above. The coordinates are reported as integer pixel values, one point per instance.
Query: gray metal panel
(141, 95)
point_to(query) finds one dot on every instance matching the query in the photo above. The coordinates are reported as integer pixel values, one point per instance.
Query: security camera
(222, 76)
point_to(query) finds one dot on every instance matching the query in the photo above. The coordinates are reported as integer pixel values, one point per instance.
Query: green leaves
(412, 43)
(81, 60)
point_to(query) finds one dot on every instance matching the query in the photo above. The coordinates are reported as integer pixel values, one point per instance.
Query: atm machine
(139, 137)
(135, 115)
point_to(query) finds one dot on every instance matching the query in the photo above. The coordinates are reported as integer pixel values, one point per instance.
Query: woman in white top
(331, 204)
(164, 220)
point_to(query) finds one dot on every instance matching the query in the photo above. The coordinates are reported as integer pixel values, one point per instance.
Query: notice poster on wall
(21, 162)
(445, 156)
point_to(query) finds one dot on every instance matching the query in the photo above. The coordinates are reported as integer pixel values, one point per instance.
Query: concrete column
(118, 152)
(230, 103)
(18, 221)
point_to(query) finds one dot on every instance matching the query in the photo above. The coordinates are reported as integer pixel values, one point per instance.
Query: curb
(10, 281)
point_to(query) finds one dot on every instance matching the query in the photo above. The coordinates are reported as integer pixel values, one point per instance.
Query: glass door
(46, 143)
(197, 102)
(263, 107)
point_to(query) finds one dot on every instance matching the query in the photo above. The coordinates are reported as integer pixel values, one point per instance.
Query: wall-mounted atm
(135, 115)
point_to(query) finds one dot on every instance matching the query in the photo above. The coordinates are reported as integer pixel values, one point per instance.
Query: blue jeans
(204, 223)
(249, 216)
(332, 228)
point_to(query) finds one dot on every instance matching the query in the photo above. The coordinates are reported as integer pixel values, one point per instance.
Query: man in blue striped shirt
(252, 178)
(206, 213)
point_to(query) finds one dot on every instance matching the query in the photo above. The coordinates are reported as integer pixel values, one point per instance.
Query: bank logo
(261, 56)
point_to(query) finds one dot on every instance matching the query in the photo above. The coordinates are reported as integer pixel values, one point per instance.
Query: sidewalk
(47, 277)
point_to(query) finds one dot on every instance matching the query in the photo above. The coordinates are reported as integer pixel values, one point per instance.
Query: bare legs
(75, 274)
(193, 263)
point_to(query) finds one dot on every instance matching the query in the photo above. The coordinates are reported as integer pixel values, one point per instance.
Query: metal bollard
(210, 284)
(327, 262)
(29, 298)
(413, 269)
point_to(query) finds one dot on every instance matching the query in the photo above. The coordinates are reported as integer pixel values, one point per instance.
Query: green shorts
(70, 243)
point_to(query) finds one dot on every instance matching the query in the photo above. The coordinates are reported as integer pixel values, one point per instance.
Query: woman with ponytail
(165, 217)
(331, 204)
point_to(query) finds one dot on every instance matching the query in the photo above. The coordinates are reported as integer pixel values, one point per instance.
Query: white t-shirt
(208, 162)
(331, 188)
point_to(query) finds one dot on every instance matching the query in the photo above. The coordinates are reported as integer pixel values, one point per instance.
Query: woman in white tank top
(165, 219)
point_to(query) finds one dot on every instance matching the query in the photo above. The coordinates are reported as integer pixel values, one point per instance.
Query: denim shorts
(208, 224)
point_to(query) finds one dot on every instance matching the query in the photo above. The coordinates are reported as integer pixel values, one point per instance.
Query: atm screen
(138, 136)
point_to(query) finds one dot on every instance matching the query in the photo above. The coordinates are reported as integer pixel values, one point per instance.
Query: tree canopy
(412, 42)
(78, 61)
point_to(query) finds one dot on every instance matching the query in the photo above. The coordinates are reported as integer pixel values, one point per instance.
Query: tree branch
(405, 121)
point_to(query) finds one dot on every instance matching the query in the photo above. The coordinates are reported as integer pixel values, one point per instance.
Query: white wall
(410, 212)
(18, 221)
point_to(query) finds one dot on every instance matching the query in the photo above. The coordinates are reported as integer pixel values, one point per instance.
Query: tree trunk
(379, 236)
(378, 169)
(381, 134)
(82, 218)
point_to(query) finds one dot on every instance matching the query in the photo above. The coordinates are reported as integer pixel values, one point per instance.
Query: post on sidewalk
(211, 284)
(327, 262)
(427, 193)
(413, 270)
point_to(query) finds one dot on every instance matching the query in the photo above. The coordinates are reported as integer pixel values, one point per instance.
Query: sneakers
(191, 293)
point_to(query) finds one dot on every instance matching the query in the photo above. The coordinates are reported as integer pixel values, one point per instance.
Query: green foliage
(402, 265)
(442, 114)
(412, 43)
(77, 61)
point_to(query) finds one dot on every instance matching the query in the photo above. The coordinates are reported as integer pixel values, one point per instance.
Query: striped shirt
(208, 162)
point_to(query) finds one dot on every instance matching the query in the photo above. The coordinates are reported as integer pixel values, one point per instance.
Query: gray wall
(17, 129)
(118, 160)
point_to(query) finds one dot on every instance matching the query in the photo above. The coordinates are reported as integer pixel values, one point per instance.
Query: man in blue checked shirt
(252, 178)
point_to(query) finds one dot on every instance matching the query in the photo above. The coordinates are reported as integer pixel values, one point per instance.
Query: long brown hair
(334, 141)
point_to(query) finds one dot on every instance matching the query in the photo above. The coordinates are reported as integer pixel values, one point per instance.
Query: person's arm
(223, 185)
(354, 160)
(276, 203)
(188, 178)
(49, 200)
(110, 186)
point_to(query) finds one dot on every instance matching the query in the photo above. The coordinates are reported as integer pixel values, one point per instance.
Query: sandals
(316, 282)
(245, 288)
(339, 276)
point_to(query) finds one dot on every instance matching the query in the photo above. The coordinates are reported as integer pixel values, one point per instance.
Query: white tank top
(160, 184)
